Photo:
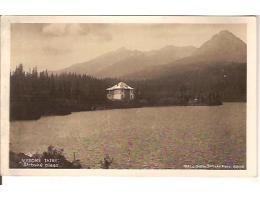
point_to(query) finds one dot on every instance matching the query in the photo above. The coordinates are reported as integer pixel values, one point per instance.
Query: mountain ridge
(123, 60)
(223, 47)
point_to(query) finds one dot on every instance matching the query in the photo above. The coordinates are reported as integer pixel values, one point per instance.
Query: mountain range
(223, 47)
(122, 62)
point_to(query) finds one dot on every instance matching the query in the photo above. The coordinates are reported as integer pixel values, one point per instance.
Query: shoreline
(118, 107)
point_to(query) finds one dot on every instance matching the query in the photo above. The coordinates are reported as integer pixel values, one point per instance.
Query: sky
(57, 46)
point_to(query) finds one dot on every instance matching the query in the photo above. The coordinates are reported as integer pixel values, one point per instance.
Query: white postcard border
(251, 94)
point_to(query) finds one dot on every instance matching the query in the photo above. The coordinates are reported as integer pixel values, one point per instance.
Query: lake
(151, 137)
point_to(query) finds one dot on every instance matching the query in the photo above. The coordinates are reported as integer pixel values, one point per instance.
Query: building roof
(120, 85)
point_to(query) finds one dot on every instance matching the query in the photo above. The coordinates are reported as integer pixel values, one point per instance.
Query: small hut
(120, 91)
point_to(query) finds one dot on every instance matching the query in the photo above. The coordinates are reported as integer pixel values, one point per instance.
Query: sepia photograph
(164, 93)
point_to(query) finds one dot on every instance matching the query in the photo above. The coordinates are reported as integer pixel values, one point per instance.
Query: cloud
(93, 31)
(62, 29)
(55, 51)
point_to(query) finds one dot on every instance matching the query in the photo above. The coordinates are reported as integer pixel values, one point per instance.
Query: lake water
(152, 137)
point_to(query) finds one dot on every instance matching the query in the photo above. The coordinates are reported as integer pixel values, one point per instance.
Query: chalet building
(120, 91)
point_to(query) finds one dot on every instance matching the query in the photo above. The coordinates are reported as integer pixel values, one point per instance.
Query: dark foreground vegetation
(34, 94)
(52, 158)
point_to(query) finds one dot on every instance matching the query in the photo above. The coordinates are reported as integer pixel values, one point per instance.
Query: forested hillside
(35, 94)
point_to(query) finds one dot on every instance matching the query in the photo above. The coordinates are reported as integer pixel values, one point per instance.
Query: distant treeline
(34, 94)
